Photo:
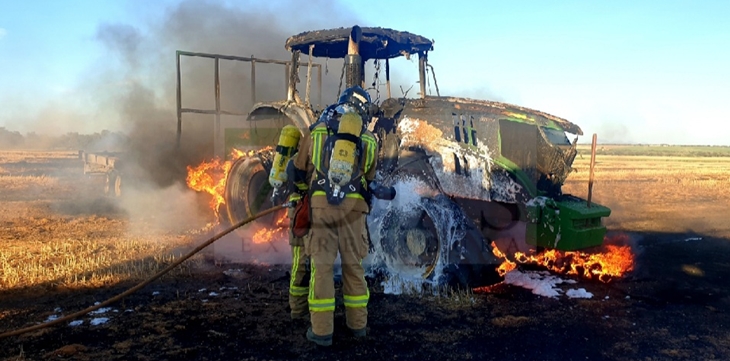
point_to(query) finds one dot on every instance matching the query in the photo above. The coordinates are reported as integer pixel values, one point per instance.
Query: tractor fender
(299, 115)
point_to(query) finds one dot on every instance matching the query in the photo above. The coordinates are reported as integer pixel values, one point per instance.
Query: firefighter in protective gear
(299, 278)
(338, 189)
(353, 99)
(357, 98)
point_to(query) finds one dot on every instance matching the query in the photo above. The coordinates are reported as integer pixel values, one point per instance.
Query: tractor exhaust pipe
(593, 164)
(353, 60)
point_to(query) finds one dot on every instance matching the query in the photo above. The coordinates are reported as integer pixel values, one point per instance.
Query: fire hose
(147, 281)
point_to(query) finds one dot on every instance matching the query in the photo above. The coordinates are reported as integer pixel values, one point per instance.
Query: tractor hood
(537, 116)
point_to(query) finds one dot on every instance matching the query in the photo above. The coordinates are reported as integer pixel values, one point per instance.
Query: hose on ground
(145, 282)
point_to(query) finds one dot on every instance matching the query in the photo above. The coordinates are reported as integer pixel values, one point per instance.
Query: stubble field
(64, 246)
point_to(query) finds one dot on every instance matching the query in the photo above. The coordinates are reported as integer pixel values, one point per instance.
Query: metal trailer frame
(108, 164)
(217, 111)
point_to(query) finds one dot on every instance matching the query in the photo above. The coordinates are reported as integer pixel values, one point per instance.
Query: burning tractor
(470, 174)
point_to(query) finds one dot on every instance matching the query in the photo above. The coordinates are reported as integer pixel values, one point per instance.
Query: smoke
(133, 88)
(143, 68)
(615, 133)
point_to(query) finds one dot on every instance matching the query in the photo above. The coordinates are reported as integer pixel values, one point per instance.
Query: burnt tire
(247, 190)
(439, 241)
(410, 243)
(468, 258)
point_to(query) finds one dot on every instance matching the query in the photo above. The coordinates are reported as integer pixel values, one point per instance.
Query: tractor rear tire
(247, 190)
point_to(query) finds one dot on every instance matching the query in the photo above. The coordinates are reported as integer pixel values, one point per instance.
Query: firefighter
(300, 271)
(289, 141)
(342, 157)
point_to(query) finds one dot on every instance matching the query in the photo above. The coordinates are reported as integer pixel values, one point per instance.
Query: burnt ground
(675, 306)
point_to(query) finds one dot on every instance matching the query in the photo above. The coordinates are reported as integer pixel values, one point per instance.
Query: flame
(235, 153)
(507, 265)
(278, 230)
(614, 261)
(210, 177)
(265, 235)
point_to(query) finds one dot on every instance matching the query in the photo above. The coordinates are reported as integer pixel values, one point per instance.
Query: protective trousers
(334, 230)
(299, 279)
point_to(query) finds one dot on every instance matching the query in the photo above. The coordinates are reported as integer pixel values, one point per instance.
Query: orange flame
(265, 235)
(210, 177)
(278, 230)
(507, 265)
(235, 153)
(614, 261)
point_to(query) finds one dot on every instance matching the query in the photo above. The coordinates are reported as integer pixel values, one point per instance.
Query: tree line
(99, 141)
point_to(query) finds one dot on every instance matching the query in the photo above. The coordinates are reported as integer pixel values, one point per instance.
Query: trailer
(108, 164)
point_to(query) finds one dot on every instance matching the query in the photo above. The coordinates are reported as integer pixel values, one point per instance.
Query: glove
(279, 195)
(380, 192)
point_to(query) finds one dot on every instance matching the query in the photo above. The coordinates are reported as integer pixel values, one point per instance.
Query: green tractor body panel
(566, 224)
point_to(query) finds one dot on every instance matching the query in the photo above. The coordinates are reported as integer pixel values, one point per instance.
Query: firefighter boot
(319, 340)
(360, 333)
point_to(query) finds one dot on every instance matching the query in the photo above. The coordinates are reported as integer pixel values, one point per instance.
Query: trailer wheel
(113, 184)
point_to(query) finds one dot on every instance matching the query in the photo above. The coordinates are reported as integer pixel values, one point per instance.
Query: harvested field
(659, 194)
(65, 246)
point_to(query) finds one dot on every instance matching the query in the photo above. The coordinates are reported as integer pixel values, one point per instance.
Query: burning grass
(610, 262)
(278, 230)
(615, 259)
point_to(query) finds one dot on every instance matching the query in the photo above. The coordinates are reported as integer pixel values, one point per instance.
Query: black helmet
(359, 98)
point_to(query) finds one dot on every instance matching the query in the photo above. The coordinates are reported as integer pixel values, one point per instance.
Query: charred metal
(481, 171)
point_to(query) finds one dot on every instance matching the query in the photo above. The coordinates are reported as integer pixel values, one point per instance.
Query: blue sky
(638, 72)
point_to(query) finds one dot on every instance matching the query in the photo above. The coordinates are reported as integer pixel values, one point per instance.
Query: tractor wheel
(247, 190)
(438, 242)
(410, 243)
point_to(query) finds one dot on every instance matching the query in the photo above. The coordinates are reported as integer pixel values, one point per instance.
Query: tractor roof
(376, 43)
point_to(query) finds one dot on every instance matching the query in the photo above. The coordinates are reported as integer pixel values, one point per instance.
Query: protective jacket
(316, 162)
